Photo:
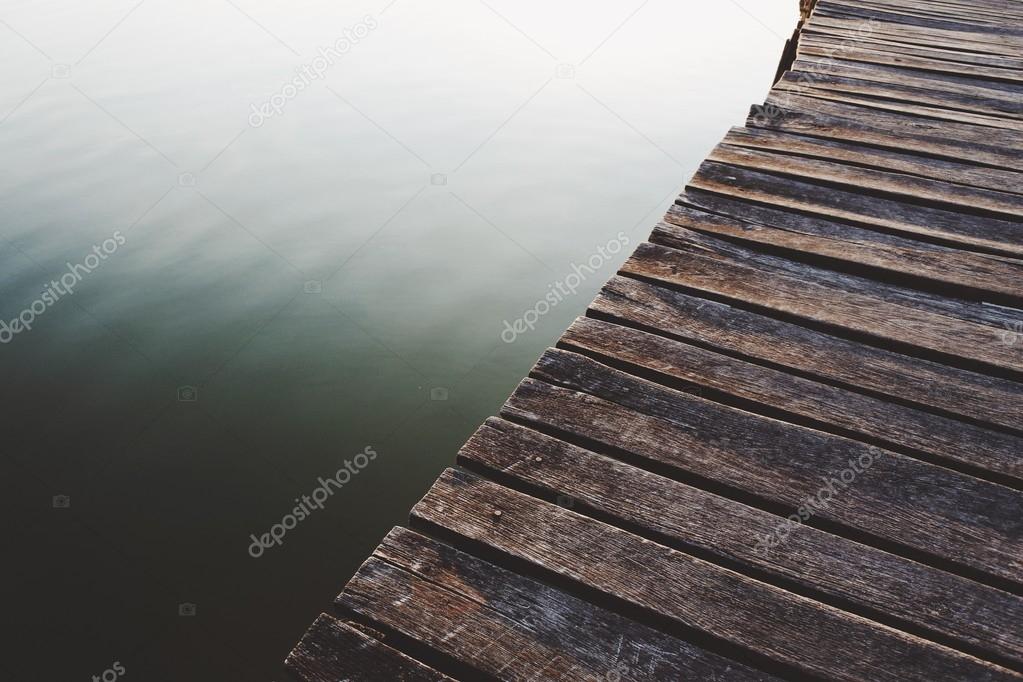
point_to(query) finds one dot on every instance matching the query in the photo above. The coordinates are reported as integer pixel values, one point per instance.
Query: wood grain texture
(845, 22)
(875, 50)
(909, 162)
(899, 99)
(332, 650)
(687, 592)
(509, 627)
(943, 224)
(937, 192)
(842, 302)
(793, 112)
(866, 53)
(778, 393)
(925, 508)
(822, 356)
(710, 526)
(966, 273)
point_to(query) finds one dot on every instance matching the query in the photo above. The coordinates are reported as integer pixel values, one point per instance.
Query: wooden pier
(786, 440)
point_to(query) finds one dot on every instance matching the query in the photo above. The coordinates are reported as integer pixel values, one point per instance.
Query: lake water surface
(243, 241)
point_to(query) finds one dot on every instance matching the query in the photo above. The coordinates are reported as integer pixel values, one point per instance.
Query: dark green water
(254, 295)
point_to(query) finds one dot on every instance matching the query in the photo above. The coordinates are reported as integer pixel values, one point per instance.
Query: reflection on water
(327, 213)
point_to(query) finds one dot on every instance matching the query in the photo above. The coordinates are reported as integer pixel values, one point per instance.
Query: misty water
(242, 242)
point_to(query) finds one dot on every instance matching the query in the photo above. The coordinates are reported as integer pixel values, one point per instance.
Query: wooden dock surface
(785, 442)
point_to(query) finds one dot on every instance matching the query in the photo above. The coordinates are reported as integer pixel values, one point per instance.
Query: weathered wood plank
(813, 50)
(1002, 10)
(829, 28)
(688, 592)
(945, 192)
(971, 15)
(332, 650)
(905, 19)
(681, 239)
(989, 111)
(505, 626)
(893, 130)
(961, 91)
(1010, 46)
(1007, 185)
(889, 98)
(827, 408)
(888, 314)
(825, 357)
(999, 66)
(960, 611)
(920, 506)
(997, 235)
(983, 275)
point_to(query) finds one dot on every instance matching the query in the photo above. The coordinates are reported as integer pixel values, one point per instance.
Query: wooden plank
(813, 50)
(824, 357)
(953, 90)
(839, 30)
(962, 13)
(686, 592)
(332, 650)
(949, 194)
(981, 275)
(929, 510)
(991, 110)
(997, 235)
(501, 625)
(906, 19)
(901, 161)
(912, 319)
(680, 239)
(718, 529)
(782, 395)
(998, 10)
(1004, 10)
(835, 46)
(958, 29)
(861, 124)
(891, 98)
(1011, 46)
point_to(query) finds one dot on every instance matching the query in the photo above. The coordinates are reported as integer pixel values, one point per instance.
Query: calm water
(218, 302)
